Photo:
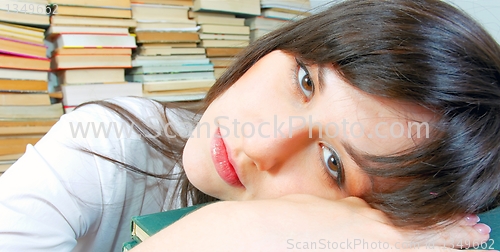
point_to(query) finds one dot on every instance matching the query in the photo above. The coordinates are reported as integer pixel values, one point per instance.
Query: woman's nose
(276, 141)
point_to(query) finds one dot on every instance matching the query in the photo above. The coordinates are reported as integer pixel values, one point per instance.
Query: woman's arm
(297, 222)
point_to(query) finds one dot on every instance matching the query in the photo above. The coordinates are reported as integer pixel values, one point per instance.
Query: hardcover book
(145, 226)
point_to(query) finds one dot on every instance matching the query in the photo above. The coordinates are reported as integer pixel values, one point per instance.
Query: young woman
(393, 102)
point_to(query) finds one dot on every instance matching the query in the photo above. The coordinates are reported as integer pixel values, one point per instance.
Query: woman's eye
(305, 82)
(332, 163)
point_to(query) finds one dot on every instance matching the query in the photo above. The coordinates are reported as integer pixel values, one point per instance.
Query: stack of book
(167, 61)
(91, 48)
(26, 111)
(222, 33)
(276, 13)
(223, 36)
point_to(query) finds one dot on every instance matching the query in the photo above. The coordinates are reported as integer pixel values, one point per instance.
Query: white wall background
(487, 12)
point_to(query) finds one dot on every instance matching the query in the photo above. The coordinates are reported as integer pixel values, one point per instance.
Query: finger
(469, 220)
(443, 249)
(460, 235)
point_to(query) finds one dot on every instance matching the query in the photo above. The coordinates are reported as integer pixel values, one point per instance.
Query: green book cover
(127, 246)
(492, 219)
(144, 226)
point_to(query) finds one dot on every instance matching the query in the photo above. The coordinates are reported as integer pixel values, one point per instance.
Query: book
(22, 33)
(169, 51)
(88, 76)
(171, 44)
(23, 86)
(10, 145)
(54, 30)
(257, 33)
(53, 111)
(20, 48)
(94, 41)
(194, 14)
(140, 60)
(264, 23)
(60, 62)
(25, 127)
(77, 94)
(169, 77)
(44, 2)
(10, 156)
(222, 61)
(155, 36)
(222, 52)
(96, 3)
(291, 5)
(224, 29)
(17, 62)
(167, 26)
(27, 99)
(157, 12)
(144, 226)
(245, 7)
(92, 21)
(22, 38)
(127, 246)
(188, 3)
(16, 74)
(24, 19)
(177, 85)
(87, 51)
(174, 68)
(218, 71)
(223, 36)
(89, 11)
(273, 13)
(24, 6)
(205, 19)
(147, 225)
(224, 43)
(177, 95)
(4, 165)
(22, 29)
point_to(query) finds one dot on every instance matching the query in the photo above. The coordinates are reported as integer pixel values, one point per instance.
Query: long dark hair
(424, 52)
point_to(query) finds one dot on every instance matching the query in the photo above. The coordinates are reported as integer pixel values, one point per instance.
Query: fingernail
(471, 219)
(482, 228)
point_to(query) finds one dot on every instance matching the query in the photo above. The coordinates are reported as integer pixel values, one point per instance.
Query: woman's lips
(221, 161)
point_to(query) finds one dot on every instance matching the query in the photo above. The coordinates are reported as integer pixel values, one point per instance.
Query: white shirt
(57, 198)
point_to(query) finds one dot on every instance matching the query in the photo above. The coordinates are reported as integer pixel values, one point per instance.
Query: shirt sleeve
(56, 197)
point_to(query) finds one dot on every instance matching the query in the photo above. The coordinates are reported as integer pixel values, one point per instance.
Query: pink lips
(221, 160)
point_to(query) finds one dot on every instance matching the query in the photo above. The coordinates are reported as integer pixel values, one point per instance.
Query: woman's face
(287, 128)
